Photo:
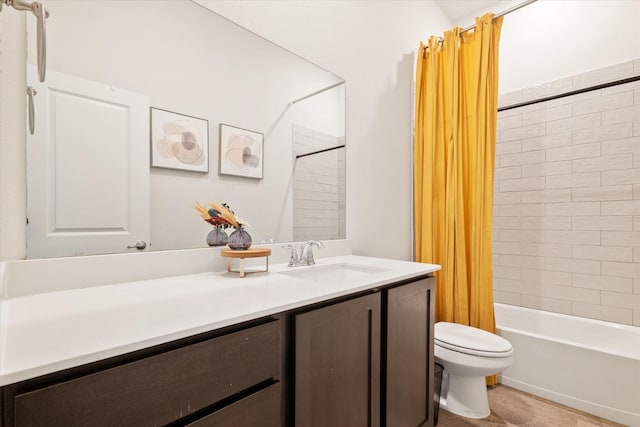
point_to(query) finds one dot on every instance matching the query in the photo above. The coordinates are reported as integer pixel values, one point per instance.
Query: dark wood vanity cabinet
(360, 360)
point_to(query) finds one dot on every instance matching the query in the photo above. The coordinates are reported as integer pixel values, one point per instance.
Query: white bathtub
(587, 364)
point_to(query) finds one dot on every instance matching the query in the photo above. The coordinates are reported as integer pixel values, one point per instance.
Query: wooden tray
(249, 253)
(242, 255)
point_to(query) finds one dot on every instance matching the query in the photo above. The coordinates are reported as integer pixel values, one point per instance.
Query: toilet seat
(470, 340)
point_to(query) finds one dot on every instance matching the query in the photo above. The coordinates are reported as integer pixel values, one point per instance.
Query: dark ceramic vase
(240, 240)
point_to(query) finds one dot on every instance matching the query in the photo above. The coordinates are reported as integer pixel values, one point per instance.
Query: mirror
(193, 64)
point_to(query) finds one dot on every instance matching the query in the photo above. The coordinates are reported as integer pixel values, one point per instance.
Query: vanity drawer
(259, 409)
(158, 389)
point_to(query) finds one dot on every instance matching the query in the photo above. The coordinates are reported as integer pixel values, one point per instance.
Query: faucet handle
(293, 258)
(307, 251)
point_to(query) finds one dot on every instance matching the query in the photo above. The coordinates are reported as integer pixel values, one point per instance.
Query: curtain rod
(505, 12)
(320, 151)
(570, 93)
(318, 91)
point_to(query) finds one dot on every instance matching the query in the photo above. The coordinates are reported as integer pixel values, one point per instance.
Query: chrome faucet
(306, 253)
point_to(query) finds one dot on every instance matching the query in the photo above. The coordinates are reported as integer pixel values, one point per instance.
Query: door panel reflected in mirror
(204, 71)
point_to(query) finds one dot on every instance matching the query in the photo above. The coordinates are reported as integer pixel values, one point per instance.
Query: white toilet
(468, 355)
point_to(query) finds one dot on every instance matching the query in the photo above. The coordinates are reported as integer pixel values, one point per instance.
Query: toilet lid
(467, 339)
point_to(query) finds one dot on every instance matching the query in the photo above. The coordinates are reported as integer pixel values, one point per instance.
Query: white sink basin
(332, 272)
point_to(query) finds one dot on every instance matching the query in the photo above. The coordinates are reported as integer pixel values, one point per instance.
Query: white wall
(12, 135)
(319, 111)
(370, 44)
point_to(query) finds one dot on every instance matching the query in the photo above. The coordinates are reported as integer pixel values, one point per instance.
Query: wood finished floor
(511, 407)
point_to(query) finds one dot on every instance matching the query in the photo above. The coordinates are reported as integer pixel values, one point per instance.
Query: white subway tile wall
(318, 186)
(567, 198)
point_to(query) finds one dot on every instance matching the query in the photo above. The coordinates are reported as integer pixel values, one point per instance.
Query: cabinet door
(410, 354)
(337, 364)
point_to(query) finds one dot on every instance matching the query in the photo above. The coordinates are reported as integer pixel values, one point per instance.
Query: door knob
(138, 245)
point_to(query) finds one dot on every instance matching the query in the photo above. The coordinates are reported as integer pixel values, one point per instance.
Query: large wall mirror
(106, 167)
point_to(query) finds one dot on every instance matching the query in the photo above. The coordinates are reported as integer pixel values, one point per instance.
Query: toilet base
(466, 396)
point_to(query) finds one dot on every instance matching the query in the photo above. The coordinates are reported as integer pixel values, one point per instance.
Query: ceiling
(458, 9)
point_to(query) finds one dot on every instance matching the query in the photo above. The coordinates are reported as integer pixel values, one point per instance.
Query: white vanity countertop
(48, 332)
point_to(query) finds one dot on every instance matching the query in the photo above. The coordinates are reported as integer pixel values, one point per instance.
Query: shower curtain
(454, 153)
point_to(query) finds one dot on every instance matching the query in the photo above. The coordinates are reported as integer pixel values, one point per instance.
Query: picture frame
(241, 152)
(179, 141)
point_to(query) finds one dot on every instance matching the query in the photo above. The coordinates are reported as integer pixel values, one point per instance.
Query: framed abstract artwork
(179, 141)
(241, 152)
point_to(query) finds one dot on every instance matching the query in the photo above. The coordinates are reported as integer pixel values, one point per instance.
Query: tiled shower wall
(567, 198)
(318, 186)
